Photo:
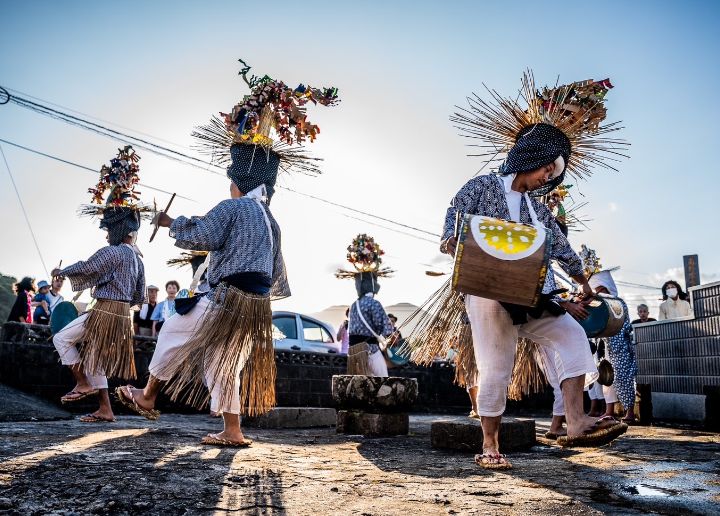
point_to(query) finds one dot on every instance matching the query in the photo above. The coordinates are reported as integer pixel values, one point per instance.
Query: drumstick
(157, 226)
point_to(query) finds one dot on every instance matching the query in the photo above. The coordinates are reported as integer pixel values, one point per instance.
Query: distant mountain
(335, 315)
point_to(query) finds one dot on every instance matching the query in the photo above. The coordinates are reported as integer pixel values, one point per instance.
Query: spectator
(54, 294)
(164, 310)
(21, 311)
(674, 303)
(142, 320)
(396, 336)
(343, 336)
(643, 314)
(41, 302)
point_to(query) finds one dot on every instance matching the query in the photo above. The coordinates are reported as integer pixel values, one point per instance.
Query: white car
(297, 332)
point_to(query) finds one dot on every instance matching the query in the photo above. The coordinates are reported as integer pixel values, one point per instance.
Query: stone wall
(28, 361)
(680, 360)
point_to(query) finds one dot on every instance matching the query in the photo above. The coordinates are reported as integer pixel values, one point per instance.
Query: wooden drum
(606, 317)
(501, 260)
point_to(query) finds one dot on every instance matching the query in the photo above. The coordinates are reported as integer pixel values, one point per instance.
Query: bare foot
(100, 415)
(139, 397)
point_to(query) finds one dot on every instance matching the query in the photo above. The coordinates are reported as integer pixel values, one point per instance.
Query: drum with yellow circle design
(501, 260)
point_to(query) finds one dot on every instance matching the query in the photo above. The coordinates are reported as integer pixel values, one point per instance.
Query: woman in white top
(674, 303)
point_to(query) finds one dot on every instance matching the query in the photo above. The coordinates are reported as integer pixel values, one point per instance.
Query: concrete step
(515, 434)
(293, 417)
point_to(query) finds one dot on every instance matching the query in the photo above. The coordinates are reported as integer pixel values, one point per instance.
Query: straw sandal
(91, 418)
(494, 461)
(126, 398)
(73, 396)
(552, 435)
(597, 437)
(214, 440)
(473, 415)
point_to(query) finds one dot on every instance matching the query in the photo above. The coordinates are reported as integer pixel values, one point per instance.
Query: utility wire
(83, 167)
(165, 151)
(22, 206)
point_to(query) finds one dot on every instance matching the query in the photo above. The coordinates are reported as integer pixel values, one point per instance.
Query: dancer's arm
(86, 274)
(206, 233)
(465, 201)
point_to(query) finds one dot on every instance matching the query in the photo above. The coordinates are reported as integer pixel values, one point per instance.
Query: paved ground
(138, 467)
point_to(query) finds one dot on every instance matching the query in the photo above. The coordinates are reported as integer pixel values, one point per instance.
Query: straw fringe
(466, 372)
(106, 346)
(235, 335)
(440, 321)
(358, 360)
(528, 374)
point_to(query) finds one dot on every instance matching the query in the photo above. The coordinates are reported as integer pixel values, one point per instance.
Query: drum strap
(382, 342)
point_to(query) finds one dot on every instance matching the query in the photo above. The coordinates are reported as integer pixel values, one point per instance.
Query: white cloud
(613, 207)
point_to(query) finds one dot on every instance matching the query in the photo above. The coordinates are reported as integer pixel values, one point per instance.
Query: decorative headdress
(594, 271)
(242, 138)
(563, 121)
(366, 258)
(566, 214)
(193, 258)
(121, 211)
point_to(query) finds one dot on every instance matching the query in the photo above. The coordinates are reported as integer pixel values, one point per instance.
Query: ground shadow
(67, 470)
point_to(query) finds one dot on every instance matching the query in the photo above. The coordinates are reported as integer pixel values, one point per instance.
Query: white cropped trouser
(176, 331)
(495, 341)
(551, 375)
(377, 364)
(64, 342)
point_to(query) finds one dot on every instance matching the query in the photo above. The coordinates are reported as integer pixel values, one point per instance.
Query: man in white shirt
(54, 293)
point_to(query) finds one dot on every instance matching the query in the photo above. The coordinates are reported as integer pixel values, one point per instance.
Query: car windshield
(284, 327)
(312, 331)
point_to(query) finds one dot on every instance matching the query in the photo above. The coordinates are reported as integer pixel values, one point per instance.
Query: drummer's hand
(450, 245)
(587, 290)
(162, 219)
(575, 309)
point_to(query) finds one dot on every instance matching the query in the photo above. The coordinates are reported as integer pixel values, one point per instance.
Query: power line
(83, 167)
(22, 206)
(164, 151)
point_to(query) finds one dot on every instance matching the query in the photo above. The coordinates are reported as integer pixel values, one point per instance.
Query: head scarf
(604, 279)
(535, 146)
(366, 283)
(119, 223)
(252, 166)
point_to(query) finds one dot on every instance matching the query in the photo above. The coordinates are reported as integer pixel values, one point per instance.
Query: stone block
(676, 406)
(374, 394)
(515, 434)
(370, 424)
(293, 417)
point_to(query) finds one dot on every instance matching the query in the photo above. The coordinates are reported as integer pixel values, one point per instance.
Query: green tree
(7, 296)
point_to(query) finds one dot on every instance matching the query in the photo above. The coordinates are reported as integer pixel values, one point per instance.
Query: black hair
(173, 282)
(682, 295)
(27, 284)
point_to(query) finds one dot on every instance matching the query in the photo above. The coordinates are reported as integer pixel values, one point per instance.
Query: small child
(41, 302)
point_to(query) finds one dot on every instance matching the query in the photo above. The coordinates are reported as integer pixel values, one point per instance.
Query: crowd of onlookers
(35, 304)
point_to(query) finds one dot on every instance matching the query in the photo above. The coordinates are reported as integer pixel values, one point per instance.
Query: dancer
(368, 324)
(216, 336)
(100, 342)
(540, 148)
(621, 354)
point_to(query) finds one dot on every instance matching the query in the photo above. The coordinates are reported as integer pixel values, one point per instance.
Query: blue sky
(401, 67)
